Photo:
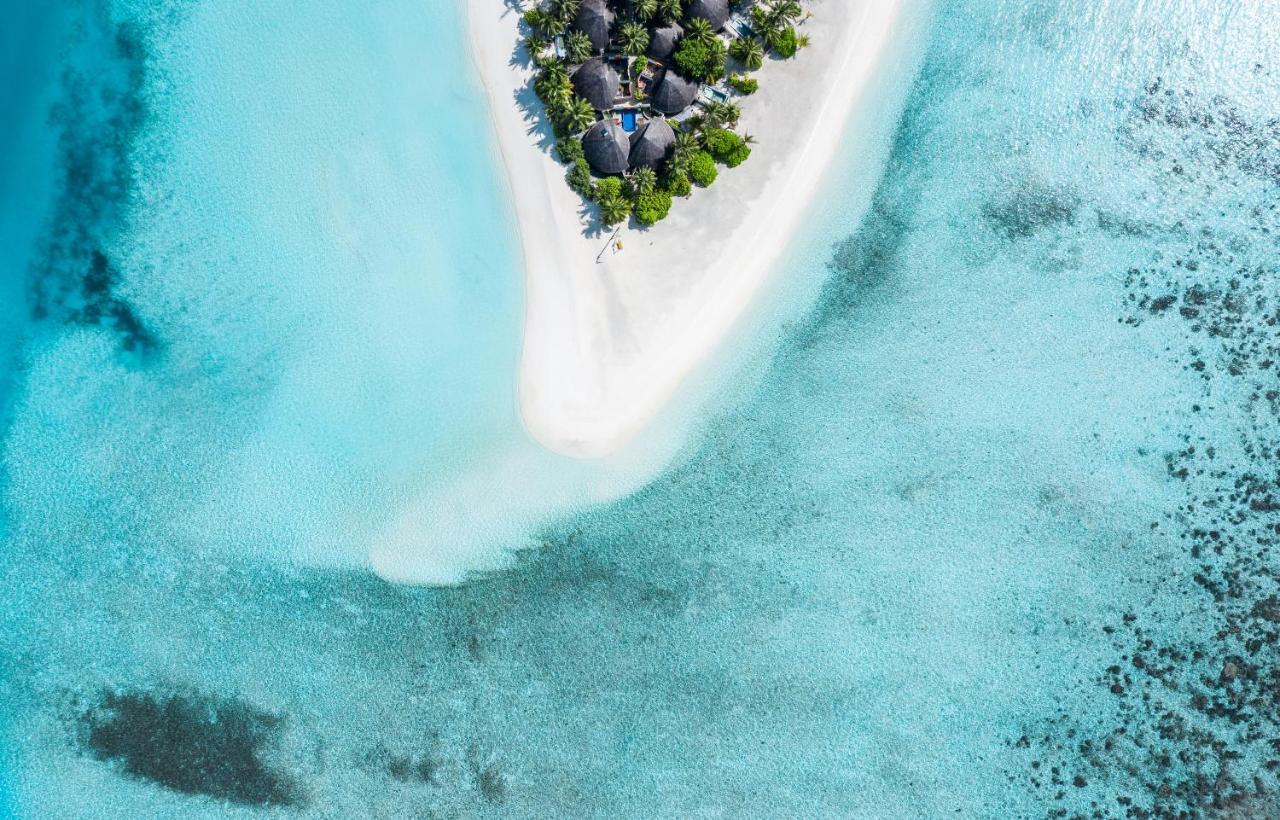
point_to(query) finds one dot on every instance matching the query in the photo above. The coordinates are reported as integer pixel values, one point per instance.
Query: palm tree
(748, 51)
(536, 18)
(644, 9)
(788, 10)
(768, 26)
(552, 80)
(685, 145)
(553, 26)
(534, 45)
(555, 112)
(614, 209)
(671, 10)
(711, 116)
(644, 179)
(577, 115)
(699, 31)
(577, 47)
(565, 10)
(634, 38)
(721, 113)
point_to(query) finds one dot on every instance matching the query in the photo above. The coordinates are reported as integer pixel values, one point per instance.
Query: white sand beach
(610, 336)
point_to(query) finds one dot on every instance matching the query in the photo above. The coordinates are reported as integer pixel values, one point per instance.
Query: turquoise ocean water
(988, 533)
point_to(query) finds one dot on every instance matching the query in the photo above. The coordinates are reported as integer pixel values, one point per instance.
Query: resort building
(663, 39)
(595, 19)
(607, 148)
(635, 96)
(674, 94)
(597, 82)
(652, 144)
(715, 12)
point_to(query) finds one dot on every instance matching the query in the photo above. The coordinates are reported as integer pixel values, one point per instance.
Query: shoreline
(607, 346)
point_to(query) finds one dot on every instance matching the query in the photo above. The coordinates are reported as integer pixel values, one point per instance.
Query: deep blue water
(989, 535)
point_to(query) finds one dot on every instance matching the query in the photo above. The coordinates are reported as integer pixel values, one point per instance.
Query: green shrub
(569, 150)
(744, 84)
(787, 44)
(608, 188)
(738, 156)
(579, 178)
(652, 207)
(678, 184)
(701, 60)
(702, 168)
(640, 64)
(725, 146)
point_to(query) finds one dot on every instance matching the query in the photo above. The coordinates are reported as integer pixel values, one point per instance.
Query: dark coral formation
(407, 767)
(1031, 208)
(1216, 134)
(191, 743)
(98, 117)
(1197, 692)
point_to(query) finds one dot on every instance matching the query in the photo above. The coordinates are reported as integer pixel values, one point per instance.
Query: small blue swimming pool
(628, 120)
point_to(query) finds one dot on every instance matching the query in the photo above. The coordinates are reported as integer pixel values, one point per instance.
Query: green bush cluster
(678, 184)
(701, 144)
(569, 150)
(787, 43)
(652, 207)
(578, 178)
(608, 193)
(702, 168)
(607, 188)
(744, 84)
(701, 59)
(726, 146)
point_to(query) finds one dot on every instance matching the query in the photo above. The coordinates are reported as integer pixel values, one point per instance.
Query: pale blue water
(989, 536)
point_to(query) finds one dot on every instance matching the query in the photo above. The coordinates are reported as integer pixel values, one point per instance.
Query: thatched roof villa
(715, 12)
(652, 143)
(606, 147)
(597, 82)
(674, 93)
(594, 19)
(662, 40)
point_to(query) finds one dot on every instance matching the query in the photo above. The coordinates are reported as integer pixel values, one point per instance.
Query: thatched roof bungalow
(595, 19)
(652, 143)
(663, 39)
(597, 82)
(715, 12)
(606, 147)
(674, 93)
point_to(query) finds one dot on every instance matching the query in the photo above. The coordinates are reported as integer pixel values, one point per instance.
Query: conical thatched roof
(606, 147)
(715, 12)
(594, 19)
(674, 94)
(652, 143)
(597, 82)
(662, 40)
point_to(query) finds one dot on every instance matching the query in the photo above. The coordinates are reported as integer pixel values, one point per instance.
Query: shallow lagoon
(989, 534)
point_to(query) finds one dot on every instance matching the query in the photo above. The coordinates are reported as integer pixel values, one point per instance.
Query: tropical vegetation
(701, 54)
(704, 138)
